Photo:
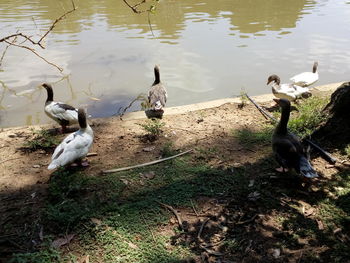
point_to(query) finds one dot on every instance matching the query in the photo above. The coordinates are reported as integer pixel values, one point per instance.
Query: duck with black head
(157, 97)
(60, 112)
(75, 146)
(288, 150)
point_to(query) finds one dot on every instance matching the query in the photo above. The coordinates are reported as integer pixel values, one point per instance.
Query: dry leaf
(93, 98)
(59, 242)
(132, 245)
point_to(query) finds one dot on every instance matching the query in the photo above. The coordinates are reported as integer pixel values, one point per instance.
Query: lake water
(206, 50)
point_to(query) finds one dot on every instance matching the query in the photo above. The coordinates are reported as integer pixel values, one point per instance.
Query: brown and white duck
(62, 113)
(288, 91)
(157, 96)
(287, 147)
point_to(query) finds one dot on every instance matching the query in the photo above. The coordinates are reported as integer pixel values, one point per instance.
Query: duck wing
(157, 93)
(75, 146)
(305, 79)
(286, 152)
(62, 112)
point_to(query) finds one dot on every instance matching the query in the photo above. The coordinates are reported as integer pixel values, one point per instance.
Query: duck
(75, 146)
(157, 96)
(287, 147)
(287, 91)
(60, 112)
(306, 79)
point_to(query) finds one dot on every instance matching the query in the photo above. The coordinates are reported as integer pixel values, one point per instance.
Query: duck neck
(49, 94)
(156, 76)
(314, 68)
(82, 119)
(282, 125)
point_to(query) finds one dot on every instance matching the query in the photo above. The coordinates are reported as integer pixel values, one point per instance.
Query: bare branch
(6, 48)
(33, 50)
(55, 22)
(25, 38)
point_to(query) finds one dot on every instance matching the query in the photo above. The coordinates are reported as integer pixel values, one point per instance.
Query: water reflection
(206, 49)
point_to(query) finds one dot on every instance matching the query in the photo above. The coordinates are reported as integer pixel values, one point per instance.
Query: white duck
(306, 79)
(62, 113)
(75, 146)
(290, 92)
(157, 96)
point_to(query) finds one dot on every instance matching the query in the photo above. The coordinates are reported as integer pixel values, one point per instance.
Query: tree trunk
(335, 131)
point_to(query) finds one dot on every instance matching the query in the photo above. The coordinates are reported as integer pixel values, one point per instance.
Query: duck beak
(276, 100)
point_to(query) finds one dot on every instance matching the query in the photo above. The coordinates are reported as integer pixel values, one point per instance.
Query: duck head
(274, 78)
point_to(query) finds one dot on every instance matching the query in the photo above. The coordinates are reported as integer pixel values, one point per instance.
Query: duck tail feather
(158, 105)
(306, 169)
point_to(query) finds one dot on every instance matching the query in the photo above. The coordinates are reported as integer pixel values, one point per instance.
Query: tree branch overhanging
(11, 40)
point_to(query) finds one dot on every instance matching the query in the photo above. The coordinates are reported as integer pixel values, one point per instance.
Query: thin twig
(134, 7)
(247, 221)
(149, 22)
(55, 22)
(140, 97)
(11, 159)
(33, 50)
(323, 153)
(146, 164)
(175, 213)
(194, 209)
(29, 38)
(263, 112)
(202, 227)
(6, 48)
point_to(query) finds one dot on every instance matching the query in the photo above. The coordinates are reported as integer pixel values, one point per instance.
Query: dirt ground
(24, 177)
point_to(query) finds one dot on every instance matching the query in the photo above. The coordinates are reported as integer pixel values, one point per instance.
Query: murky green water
(206, 50)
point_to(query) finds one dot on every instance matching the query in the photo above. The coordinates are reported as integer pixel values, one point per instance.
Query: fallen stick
(174, 211)
(202, 227)
(145, 164)
(323, 153)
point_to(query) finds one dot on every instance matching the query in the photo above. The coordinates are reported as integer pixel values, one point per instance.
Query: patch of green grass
(168, 149)
(46, 255)
(347, 150)
(308, 117)
(243, 98)
(130, 220)
(249, 137)
(153, 127)
(42, 140)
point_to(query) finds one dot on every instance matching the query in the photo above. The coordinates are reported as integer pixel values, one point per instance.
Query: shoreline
(175, 110)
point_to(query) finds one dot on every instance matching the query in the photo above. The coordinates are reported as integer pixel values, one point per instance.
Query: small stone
(36, 166)
(149, 175)
(148, 149)
(251, 183)
(276, 252)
